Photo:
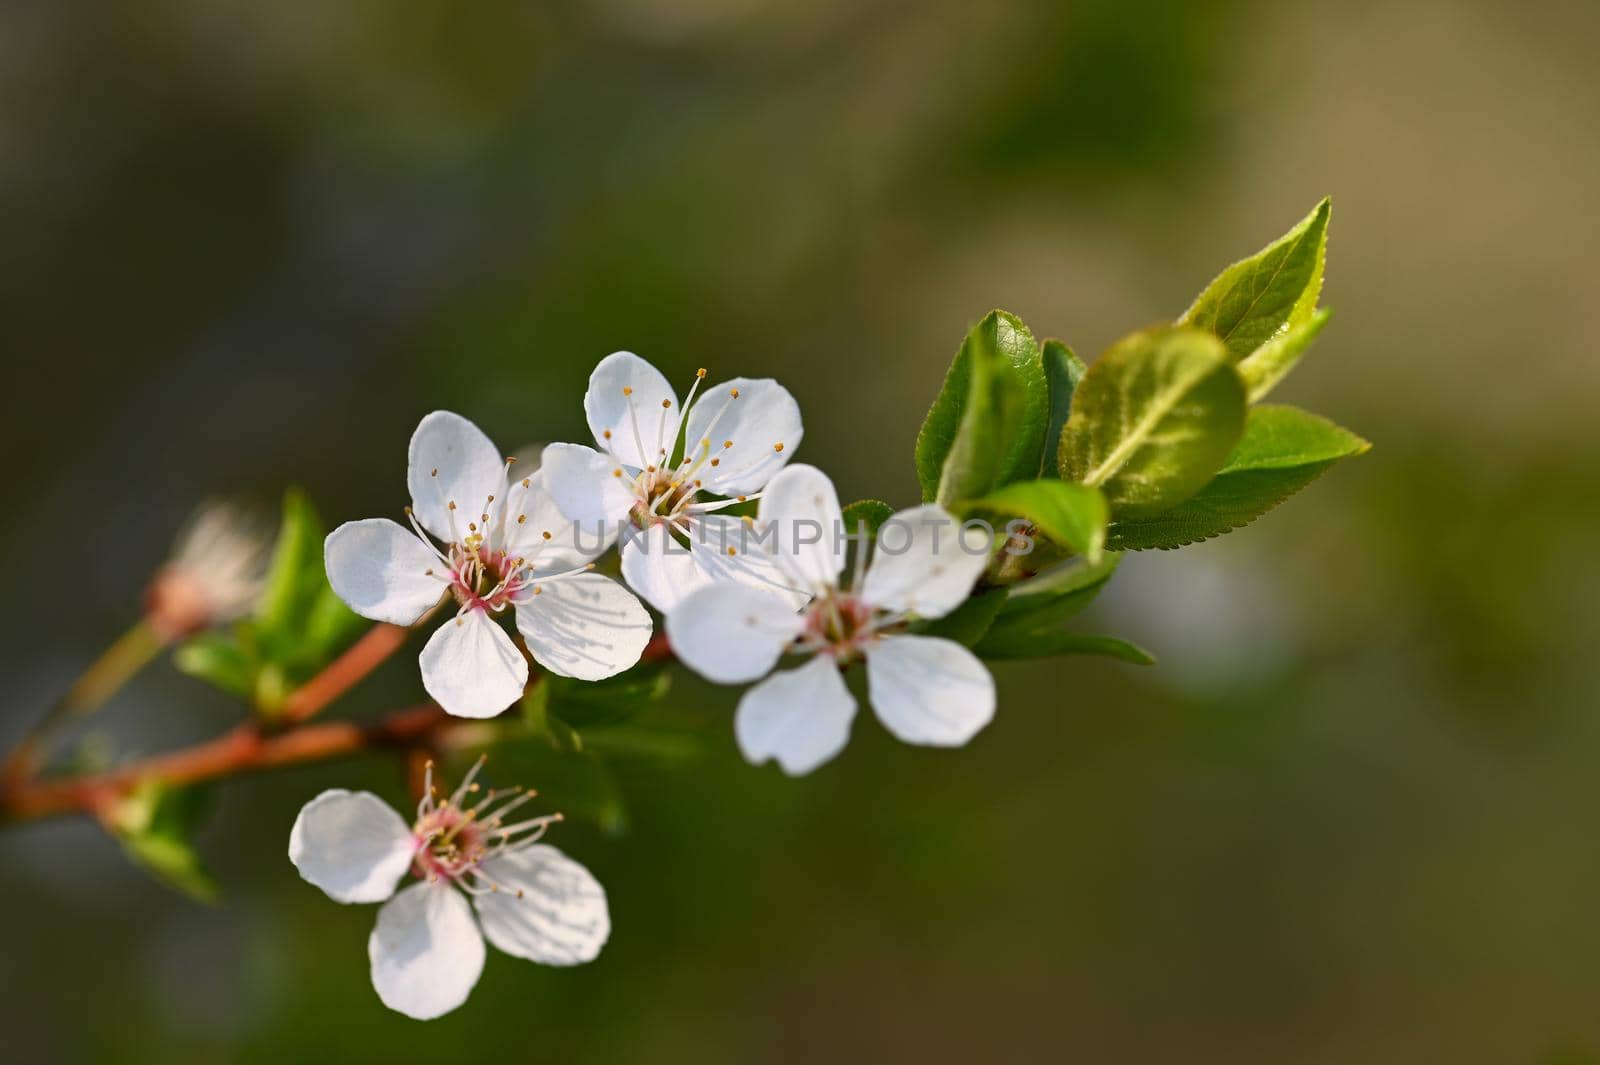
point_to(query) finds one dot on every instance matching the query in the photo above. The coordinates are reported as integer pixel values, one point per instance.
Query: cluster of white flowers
(737, 594)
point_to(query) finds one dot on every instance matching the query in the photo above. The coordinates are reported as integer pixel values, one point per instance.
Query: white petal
(352, 845)
(586, 486)
(451, 459)
(547, 538)
(561, 918)
(636, 424)
(924, 562)
(426, 952)
(381, 570)
(659, 568)
(799, 516)
(732, 633)
(471, 668)
(725, 549)
(801, 717)
(583, 625)
(929, 690)
(751, 435)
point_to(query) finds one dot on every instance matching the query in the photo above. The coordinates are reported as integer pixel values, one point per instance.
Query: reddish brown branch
(245, 749)
(340, 675)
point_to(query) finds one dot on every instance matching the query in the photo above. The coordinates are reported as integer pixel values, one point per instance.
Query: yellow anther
(435, 472)
(734, 392)
(527, 482)
(716, 462)
(731, 551)
(521, 518)
(537, 590)
(617, 472)
(743, 498)
(490, 499)
(626, 390)
(547, 534)
(727, 444)
(777, 447)
(606, 434)
(700, 372)
(666, 403)
(452, 504)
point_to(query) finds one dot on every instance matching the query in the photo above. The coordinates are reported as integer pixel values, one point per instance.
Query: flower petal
(929, 690)
(425, 950)
(451, 460)
(537, 530)
(800, 518)
(586, 486)
(924, 562)
(632, 410)
(732, 633)
(659, 568)
(561, 917)
(801, 717)
(751, 427)
(352, 845)
(471, 668)
(381, 571)
(725, 549)
(583, 625)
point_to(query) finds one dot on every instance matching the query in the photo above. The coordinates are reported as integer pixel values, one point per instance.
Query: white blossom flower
(216, 573)
(426, 949)
(925, 689)
(735, 438)
(505, 544)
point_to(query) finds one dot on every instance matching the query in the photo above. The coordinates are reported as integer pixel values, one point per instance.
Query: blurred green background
(1353, 814)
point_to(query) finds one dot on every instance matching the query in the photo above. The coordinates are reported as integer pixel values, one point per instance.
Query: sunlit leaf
(1283, 449)
(986, 427)
(1251, 301)
(1153, 419)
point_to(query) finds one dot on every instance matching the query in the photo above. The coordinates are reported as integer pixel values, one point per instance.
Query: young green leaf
(1044, 644)
(1283, 450)
(986, 427)
(1071, 515)
(1035, 610)
(1263, 368)
(1153, 419)
(1252, 300)
(295, 577)
(967, 623)
(1062, 372)
(867, 515)
(219, 659)
(156, 824)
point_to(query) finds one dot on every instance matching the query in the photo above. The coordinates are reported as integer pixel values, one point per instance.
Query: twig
(244, 749)
(340, 675)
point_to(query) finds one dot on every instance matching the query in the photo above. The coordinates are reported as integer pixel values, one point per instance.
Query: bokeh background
(1353, 814)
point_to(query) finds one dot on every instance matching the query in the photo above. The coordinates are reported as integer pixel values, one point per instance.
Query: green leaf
(967, 623)
(1153, 419)
(295, 577)
(1252, 300)
(155, 824)
(1263, 368)
(1072, 515)
(871, 513)
(986, 428)
(587, 704)
(218, 658)
(1062, 372)
(1283, 450)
